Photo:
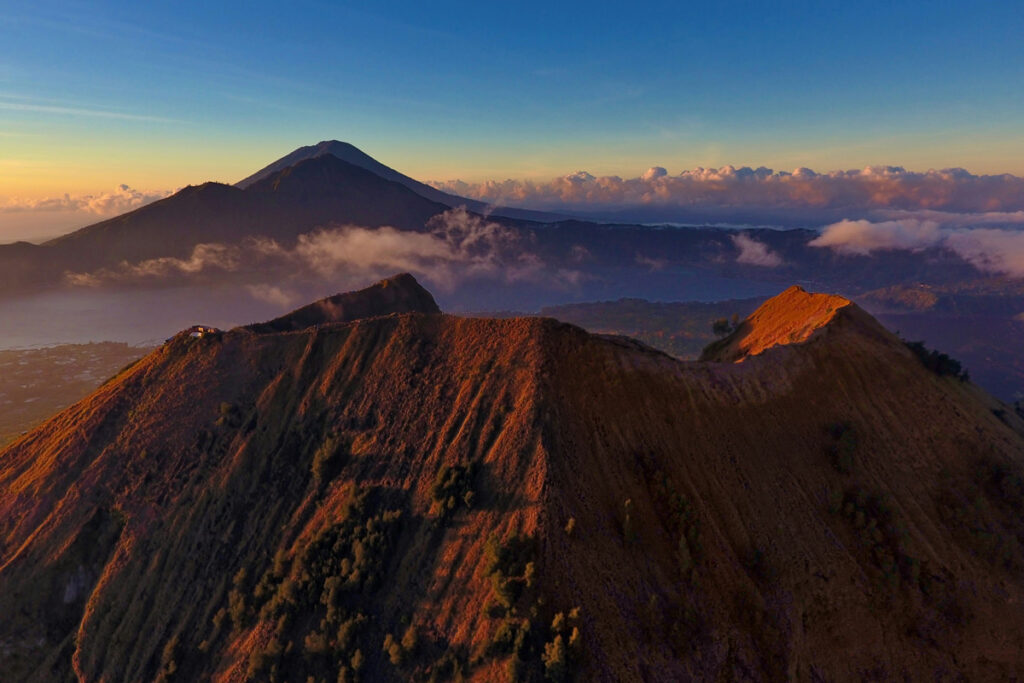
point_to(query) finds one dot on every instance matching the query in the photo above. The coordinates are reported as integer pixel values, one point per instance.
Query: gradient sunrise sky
(159, 95)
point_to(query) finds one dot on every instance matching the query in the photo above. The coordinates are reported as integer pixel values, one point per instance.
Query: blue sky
(161, 94)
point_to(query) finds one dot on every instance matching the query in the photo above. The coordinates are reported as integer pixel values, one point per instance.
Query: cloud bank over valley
(744, 191)
(39, 219)
(458, 246)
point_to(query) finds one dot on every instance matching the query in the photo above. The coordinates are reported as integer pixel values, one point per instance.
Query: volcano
(370, 489)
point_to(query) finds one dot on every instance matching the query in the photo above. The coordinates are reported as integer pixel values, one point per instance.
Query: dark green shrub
(454, 487)
(881, 532)
(328, 458)
(939, 363)
(504, 640)
(725, 326)
(394, 650)
(555, 660)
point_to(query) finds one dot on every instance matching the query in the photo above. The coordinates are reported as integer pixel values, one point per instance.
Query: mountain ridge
(394, 295)
(682, 520)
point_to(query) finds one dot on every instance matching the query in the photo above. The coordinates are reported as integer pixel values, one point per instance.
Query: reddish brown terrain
(420, 496)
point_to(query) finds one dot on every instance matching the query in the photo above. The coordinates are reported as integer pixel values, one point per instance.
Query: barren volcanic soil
(420, 496)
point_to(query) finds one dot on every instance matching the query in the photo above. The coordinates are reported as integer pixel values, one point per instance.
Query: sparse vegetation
(328, 458)
(547, 651)
(330, 575)
(722, 327)
(880, 531)
(570, 527)
(454, 487)
(939, 363)
(229, 415)
(680, 518)
(506, 564)
(988, 510)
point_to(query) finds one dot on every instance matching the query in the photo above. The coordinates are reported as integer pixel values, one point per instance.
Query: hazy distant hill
(680, 328)
(425, 497)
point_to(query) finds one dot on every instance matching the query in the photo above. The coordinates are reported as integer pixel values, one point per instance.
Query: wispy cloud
(120, 200)
(458, 245)
(755, 253)
(993, 250)
(82, 111)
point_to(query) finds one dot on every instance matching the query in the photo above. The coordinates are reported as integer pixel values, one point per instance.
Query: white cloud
(459, 245)
(653, 173)
(993, 250)
(856, 191)
(204, 257)
(755, 253)
(999, 251)
(272, 294)
(863, 237)
(121, 199)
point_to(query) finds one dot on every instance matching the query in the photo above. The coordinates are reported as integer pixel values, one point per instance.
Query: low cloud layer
(458, 245)
(38, 219)
(120, 200)
(993, 250)
(856, 191)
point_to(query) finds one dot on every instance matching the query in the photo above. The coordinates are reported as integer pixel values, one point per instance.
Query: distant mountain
(427, 497)
(313, 193)
(354, 155)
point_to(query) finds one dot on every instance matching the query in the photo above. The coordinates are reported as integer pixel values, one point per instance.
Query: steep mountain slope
(353, 155)
(421, 495)
(399, 294)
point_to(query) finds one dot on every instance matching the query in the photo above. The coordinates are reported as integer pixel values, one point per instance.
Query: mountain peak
(397, 294)
(351, 154)
(345, 151)
(791, 317)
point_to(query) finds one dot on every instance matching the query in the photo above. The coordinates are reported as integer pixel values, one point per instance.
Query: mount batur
(370, 489)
